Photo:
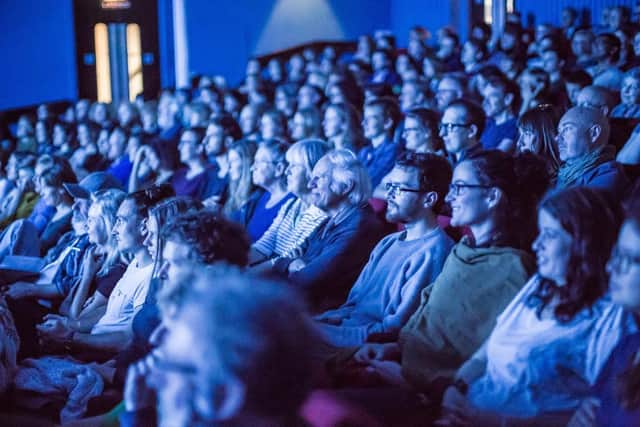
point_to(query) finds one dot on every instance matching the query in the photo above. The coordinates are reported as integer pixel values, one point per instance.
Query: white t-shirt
(125, 300)
(537, 366)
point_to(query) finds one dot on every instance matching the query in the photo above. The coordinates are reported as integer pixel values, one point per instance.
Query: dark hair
(149, 197)
(167, 152)
(578, 77)
(379, 90)
(430, 120)
(523, 180)
(212, 237)
(473, 114)
(542, 121)
(279, 119)
(200, 132)
(611, 42)
(507, 86)
(229, 125)
(480, 46)
(390, 109)
(592, 220)
(628, 382)
(434, 173)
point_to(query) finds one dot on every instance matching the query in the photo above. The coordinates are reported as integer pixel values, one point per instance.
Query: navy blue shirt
(262, 216)
(494, 134)
(379, 161)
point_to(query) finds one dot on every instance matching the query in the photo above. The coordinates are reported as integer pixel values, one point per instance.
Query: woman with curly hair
(553, 339)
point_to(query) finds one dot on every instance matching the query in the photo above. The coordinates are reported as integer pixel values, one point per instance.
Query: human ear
(473, 131)
(594, 132)
(494, 197)
(229, 399)
(508, 99)
(430, 199)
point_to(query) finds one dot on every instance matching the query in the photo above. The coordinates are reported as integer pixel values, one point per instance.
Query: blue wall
(431, 14)
(38, 47)
(38, 52)
(549, 11)
(223, 34)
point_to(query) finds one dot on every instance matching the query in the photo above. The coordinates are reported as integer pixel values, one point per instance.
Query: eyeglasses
(622, 262)
(406, 131)
(450, 127)
(395, 189)
(457, 188)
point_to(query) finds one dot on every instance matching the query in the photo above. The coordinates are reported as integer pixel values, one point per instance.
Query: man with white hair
(336, 251)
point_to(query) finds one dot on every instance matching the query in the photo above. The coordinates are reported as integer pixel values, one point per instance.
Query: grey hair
(308, 151)
(346, 169)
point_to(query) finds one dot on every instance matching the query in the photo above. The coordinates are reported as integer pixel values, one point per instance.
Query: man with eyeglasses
(388, 289)
(460, 128)
(588, 160)
(596, 97)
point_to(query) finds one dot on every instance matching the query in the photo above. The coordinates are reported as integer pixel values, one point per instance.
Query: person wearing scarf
(588, 160)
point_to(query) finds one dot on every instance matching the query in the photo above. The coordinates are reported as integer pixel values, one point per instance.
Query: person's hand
(390, 371)
(297, 265)
(374, 351)
(19, 290)
(585, 416)
(137, 394)
(55, 328)
(92, 262)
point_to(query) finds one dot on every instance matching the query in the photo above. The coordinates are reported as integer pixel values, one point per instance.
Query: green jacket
(459, 309)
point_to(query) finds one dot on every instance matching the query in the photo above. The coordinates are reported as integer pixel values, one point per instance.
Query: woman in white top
(550, 343)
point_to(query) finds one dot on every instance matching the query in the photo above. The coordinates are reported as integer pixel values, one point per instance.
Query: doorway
(117, 49)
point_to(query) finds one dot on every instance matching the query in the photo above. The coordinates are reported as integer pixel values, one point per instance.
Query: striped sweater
(291, 227)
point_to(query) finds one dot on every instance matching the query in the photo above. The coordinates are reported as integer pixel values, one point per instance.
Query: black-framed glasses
(450, 127)
(458, 188)
(621, 261)
(395, 189)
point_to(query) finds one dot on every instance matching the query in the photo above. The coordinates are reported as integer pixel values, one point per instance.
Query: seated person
(198, 179)
(461, 125)
(297, 220)
(187, 247)
(388, 289)
(615, 397)
(248, 384)
(121, 165)
(337, 250)
(102, 264)
(379, 123)
(21, 196)
(583, 135)
(112, 331)
(559, 330)
(153, 164)
(459, 308)
(596, 97)
(629, 107)
(268, 173)
(501, 99)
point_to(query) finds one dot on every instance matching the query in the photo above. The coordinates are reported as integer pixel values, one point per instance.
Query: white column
(180, 45)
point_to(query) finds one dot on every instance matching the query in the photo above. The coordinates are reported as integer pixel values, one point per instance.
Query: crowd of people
(444, 234)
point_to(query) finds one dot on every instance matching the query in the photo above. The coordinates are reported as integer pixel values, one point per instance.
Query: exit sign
(115, 4)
